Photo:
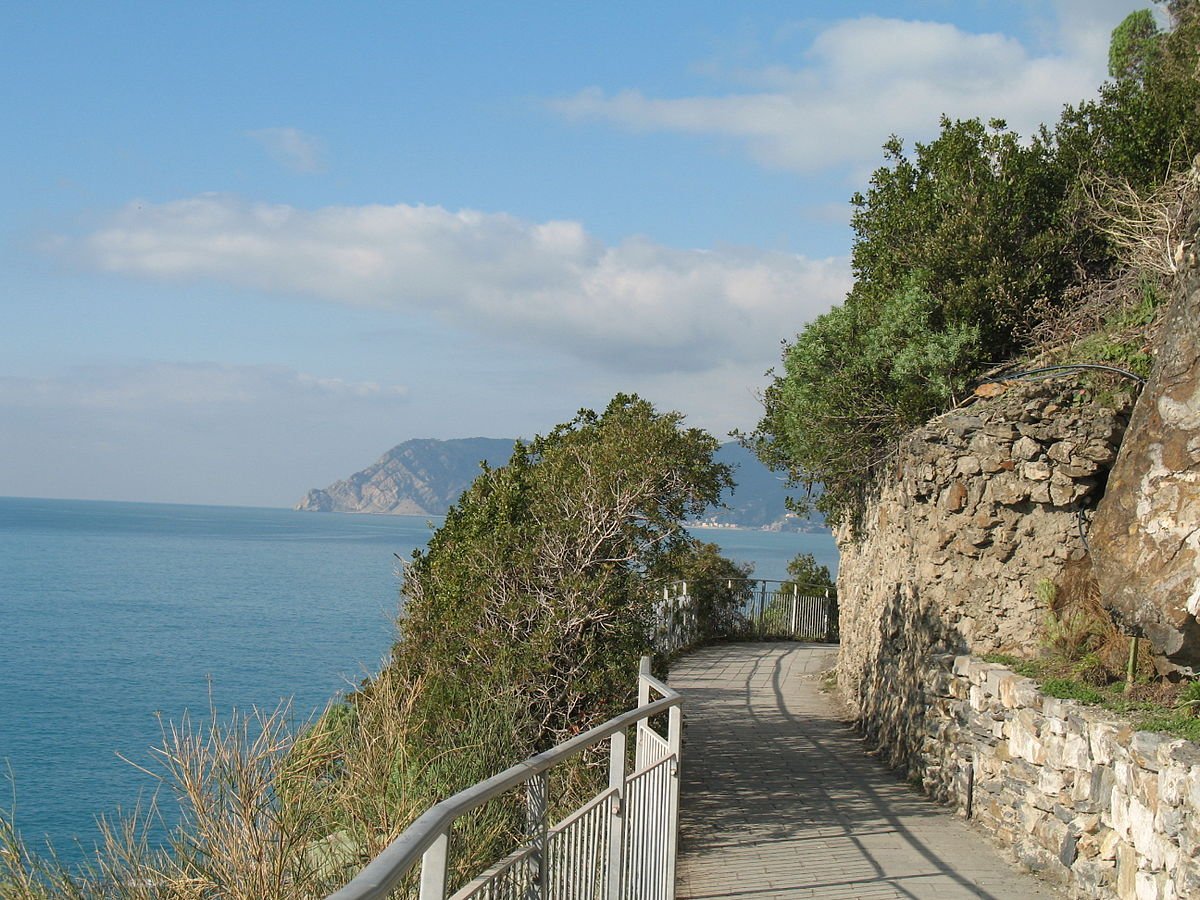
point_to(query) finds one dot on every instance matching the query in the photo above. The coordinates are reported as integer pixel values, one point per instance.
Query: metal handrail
(427, 838)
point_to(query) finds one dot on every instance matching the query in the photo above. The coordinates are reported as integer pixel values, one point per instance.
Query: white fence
(744, 608)
(619, 845)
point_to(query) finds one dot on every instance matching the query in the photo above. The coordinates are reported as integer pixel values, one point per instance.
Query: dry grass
(1080, 638)
(267, 810)
(1148, 230)
(1097, 307)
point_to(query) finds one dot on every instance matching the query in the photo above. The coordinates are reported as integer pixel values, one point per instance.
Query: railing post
(831, 617)
(643, 684)
(795, 608)
(536, 790)
(616, 828)
(675, 747)
(433, 868)
(762, 608)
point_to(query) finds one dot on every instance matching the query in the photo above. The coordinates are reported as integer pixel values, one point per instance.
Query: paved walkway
(780, 801)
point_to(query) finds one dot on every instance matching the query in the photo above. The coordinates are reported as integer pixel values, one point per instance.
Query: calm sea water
(114, 614)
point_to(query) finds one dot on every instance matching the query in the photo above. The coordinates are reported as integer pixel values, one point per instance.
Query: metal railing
(747, 608)
(619, 845)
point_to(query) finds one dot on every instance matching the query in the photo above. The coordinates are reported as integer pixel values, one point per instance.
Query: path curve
(781, 801)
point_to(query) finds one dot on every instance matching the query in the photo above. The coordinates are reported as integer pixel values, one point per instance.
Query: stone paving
(781, 801)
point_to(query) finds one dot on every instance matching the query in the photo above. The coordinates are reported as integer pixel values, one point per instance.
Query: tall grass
(256, 807)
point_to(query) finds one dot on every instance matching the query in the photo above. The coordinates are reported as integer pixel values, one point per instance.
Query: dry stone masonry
(983, 505)
(1075, 793)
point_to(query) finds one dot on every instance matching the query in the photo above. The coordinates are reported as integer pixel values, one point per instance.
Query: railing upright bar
(616, 828)
(536, 790)
(433, 868)
(675, 744)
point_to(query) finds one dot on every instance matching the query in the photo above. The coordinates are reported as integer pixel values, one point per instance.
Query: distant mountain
(418, 477)
(425, 476)
(758, 500)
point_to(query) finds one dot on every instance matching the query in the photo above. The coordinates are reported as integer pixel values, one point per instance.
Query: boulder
(1146, 535)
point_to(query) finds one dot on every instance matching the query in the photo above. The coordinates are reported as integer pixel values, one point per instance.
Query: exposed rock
(419, 477)
(1147, 527)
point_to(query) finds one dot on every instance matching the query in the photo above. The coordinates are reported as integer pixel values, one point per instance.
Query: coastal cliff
(418, 477)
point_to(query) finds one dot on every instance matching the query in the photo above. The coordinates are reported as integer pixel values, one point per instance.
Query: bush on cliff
(966, 248)
(525, 620)
(536, 586)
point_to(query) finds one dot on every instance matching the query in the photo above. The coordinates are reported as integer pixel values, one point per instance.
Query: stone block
(1193, 795)
(1062, 493)
(1172, 785)
(1108, 741)
(968, 465)
(1168, 821)
(1144, 747)
(1148, 887)
(1035, 471)
(1061, 451)
(1127, 871)
(1088, 823)
(1181, 753)
(1024, 743)
(1026, 448)
(1110, 841)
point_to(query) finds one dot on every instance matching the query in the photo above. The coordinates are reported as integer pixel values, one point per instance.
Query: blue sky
(247, 247)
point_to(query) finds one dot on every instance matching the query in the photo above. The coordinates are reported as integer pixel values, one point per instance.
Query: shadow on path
(780, 799)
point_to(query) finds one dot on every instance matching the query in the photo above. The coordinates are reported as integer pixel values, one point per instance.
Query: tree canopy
(962, 249)
(536, 585)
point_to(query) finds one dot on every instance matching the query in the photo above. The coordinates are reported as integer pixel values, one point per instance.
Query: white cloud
(292, 148)
(637, 304)
(863, 79)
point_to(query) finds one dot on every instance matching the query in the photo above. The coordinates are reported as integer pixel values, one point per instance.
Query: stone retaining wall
(1077, 794)
(982, 505)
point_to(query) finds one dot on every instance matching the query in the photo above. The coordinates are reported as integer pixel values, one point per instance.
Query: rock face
(1147, 528)
(982, 506)
(418, 477)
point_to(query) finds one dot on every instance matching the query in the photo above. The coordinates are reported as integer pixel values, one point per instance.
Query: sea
(116, 618)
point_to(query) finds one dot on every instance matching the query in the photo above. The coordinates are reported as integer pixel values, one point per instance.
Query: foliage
(804, 571)
(536, 587)
(967, 246)
(853, 383)
(1067, 689)
(1144, 126)
(1134, 46)
(716, 584)
(1189, 699)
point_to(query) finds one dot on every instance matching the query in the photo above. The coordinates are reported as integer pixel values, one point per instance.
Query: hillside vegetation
(524, 623)
(984, 249)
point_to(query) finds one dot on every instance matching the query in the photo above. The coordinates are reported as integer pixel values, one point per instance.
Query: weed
(1188, 702)
(1068, 689)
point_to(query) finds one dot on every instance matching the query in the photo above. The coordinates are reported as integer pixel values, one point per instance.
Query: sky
(245, 248)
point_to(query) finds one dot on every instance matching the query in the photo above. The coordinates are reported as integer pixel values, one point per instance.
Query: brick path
(780, 801)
